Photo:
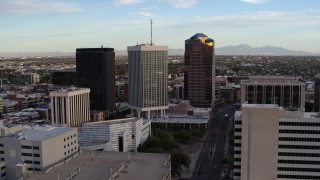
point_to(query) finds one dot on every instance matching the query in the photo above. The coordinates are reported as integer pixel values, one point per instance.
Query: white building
(70, 107)
(35, 149)
(148, 71)
(271, 143)
(114, 135)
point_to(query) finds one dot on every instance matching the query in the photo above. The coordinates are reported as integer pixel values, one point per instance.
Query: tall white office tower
(148, 71)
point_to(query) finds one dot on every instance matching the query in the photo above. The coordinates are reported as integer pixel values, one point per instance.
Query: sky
(64, 25)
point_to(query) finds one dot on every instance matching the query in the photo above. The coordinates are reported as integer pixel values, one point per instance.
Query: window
(3, 174)
(64, 146)
(67, 138)
(30, 169)
(1, 145)
(75, 141)
(2, 159)
(36, 155)
(71, 136)
(37, 169)
(64, 139)
(3, 167)
(36, 147)
(1, 152)
(132, 136)
(26, 154)
(26, 147)
(28, 162)
(36, 162)
(74, 135)
(65, 153)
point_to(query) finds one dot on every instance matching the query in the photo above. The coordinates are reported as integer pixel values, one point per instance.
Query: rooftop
(40, 133)
(142, 166)
(282, 80)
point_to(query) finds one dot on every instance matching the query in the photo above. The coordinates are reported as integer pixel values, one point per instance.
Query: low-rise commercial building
(27, 149)
(114, 135)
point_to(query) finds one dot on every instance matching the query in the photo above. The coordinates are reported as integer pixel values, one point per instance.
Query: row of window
(3, 167)
(75, 148)
(285, 146)
(298, 154)
(34, 169)
(299, 139)
(290, 131)
(287, 176)
(299, 124)
(237, 137)
(298, 169)
(30, 154)
(237, 167)
(30, 147)
(237, 152)
(72, 136)
(236, 174)
(237, 144)
(237, 130)
(70, 143)
(30, 162)
(238, 122)
(281, 161)
(237, 159)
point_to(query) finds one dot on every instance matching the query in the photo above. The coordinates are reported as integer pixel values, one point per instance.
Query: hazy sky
(64, 25)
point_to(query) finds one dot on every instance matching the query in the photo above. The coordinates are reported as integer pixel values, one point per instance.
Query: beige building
(148, 85)
(70, 107)
(271, 143)
(284, 91)
(35, 149)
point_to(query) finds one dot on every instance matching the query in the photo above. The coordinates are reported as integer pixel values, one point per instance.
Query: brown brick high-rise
(199, 70)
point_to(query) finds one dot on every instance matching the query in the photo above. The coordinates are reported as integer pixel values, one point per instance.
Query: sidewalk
(194, 154)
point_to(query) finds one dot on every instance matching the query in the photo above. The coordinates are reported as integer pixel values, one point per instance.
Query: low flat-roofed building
(112, 165)
(114, 135)
(37, 148)
(183, 119)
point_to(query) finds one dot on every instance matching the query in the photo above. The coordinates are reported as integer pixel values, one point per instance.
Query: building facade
(36, 149)
(1, 106)
(148, 71)
(272, 143)
(65, 77)
(96, 70)
(114, 135)
(70, 107)
(284, 91)
(316, 106)
(199, 71)
(28, 78)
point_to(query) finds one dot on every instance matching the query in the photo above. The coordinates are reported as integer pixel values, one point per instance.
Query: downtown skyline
(45, 26)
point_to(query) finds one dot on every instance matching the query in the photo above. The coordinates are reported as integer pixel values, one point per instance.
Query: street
(209, 162)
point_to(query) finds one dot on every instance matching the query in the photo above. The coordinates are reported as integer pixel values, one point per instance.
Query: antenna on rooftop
(151, 32)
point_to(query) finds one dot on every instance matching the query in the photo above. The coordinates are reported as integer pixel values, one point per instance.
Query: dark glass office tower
(96, 70)
(199, 71)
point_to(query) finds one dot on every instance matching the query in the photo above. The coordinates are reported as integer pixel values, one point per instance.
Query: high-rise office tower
(148, 71)
(272, 143)
(316, 106)
(199, 71)
(96, 70)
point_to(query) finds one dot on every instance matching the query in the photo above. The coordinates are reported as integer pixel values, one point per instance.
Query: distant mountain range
(242, 49)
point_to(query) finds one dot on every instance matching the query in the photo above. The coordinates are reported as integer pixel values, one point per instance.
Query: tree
(178, 159)
(183, 136)
(197, 133)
